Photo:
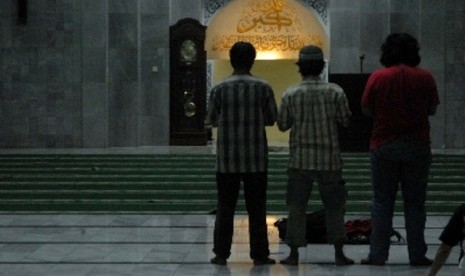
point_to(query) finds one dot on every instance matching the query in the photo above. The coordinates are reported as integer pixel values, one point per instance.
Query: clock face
(188, 51)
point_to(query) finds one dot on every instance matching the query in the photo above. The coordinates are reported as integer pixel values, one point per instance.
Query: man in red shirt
(400, 98)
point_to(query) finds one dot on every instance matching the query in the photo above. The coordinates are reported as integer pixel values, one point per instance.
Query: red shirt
(400, 98)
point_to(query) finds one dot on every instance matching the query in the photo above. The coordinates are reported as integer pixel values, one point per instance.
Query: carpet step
(182, 183)
(196, 194)
(191, 206)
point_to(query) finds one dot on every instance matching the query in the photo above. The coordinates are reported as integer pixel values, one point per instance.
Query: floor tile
(141, 244)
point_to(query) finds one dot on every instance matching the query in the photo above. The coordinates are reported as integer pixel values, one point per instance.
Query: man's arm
(212, 112)
(284, 120)
(441, 256)
(344, 112)
(367, 97)
(271, 110)
(450, 236)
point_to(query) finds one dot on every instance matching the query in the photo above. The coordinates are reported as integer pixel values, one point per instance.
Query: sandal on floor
(266, 261)
(368, 261)
(290, 261)
(218, 260)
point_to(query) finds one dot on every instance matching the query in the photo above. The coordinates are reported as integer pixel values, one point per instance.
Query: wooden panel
(356, 137)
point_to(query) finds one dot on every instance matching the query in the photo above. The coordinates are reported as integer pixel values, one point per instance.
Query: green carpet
(181, 183)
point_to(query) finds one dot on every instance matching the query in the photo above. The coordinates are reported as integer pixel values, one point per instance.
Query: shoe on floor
(218, 260)
(266, 261)
(368, 261)
(290, 261)
(341, 261)
(422, 262)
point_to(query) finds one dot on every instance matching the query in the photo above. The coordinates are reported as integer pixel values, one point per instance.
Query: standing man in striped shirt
(312, 109)
(240, 107)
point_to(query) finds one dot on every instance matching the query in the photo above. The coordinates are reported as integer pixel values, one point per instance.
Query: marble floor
(164, 244)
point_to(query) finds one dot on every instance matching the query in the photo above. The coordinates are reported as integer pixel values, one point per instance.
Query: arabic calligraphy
(266, 16)
(267, 42)
(212, 6)
(281, 27)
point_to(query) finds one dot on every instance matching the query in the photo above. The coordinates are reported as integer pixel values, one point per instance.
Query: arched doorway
(278, 29)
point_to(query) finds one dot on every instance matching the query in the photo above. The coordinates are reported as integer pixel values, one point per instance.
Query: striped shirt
(312, 110)
(241, 106)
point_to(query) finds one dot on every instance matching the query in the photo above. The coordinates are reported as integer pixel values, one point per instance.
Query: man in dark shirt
(241, 106)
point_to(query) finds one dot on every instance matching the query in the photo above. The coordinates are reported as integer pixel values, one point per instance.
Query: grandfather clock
(187, 83)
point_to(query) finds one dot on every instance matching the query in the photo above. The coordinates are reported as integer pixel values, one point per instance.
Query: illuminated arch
(277, 28)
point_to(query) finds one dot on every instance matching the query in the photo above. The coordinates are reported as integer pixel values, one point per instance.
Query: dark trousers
(228, 188)
(403, 164)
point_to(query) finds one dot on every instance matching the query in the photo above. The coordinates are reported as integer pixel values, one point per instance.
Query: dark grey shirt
(241, 106)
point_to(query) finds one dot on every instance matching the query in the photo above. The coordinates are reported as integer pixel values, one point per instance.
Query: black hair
(311, 68)
(242, 55)
(400, 48)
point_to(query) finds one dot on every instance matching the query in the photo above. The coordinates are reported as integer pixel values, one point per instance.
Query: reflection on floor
(146, 244)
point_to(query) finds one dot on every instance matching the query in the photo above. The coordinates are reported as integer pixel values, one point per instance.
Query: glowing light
(269, 55)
